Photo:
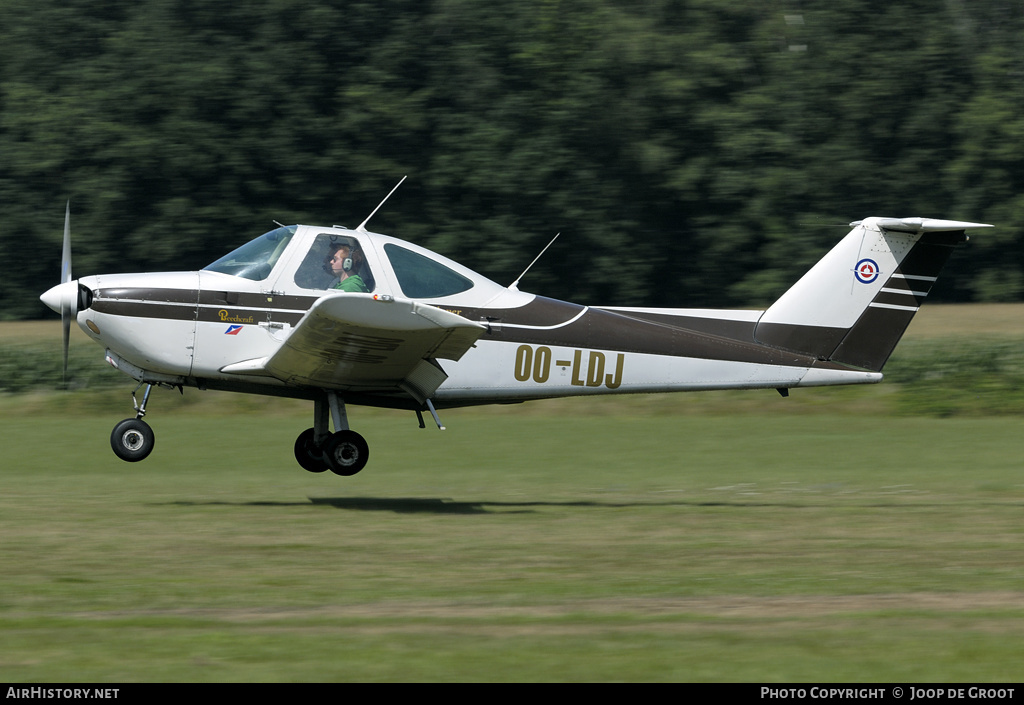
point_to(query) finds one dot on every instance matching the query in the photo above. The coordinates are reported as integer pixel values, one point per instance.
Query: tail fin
(855, 303)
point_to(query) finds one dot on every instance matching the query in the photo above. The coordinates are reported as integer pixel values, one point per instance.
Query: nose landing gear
(132, 440)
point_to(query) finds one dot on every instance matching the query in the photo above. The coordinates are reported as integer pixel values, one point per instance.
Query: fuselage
(200, 328)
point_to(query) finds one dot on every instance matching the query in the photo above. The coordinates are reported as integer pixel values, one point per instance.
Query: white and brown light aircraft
(421, 332)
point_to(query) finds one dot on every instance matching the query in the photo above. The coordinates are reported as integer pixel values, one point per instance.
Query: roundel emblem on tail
(866, 271)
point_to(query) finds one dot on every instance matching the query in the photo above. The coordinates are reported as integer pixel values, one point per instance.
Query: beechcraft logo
(232, 330)
(866, 271)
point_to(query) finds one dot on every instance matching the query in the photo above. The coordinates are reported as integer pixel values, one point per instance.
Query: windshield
(256, 258)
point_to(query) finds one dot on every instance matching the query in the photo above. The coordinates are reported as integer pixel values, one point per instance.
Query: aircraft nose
(55, 297)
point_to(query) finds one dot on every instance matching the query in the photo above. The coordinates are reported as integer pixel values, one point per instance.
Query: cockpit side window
(318, 272)
(423, 278)
(256, 258)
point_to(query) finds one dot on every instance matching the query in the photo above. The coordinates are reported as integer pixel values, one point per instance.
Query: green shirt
(352, 283)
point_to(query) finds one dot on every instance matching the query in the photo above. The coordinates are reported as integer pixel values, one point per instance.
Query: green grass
(561, 541)
(843, 534)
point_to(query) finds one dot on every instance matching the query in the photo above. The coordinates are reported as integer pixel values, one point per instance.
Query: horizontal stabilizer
(920, 225)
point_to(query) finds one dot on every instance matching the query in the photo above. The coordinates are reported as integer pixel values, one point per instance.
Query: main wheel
(346, 453)
(309, 456)
(132, 440)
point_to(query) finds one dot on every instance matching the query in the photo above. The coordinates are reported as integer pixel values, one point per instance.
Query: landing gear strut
(132, 439)
(343, 452)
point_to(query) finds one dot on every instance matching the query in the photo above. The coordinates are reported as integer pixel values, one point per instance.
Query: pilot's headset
(349, 263)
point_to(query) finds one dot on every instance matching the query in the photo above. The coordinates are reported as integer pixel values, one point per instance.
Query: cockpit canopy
(300, 258)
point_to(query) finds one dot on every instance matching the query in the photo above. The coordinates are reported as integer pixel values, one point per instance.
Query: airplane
(421, 332)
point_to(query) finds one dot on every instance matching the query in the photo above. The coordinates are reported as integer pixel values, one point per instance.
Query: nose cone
(60, 295)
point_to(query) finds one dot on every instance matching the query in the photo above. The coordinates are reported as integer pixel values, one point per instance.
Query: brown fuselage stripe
(597, 328)
(255, 300)
(141, 309)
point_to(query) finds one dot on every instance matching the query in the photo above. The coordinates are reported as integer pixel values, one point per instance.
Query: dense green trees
(692, 152)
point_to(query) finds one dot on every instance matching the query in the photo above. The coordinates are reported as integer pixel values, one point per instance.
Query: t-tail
(853, 306)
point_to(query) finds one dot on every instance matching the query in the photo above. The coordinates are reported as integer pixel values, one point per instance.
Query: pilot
(344, 263)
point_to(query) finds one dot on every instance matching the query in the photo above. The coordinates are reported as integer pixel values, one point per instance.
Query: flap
(366, 342)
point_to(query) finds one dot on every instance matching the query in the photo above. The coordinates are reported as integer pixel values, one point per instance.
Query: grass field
(745, 538)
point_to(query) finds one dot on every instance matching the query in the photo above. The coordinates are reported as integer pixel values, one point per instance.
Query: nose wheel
(132, 440)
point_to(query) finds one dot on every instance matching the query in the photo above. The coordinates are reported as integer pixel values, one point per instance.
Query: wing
(366, 343)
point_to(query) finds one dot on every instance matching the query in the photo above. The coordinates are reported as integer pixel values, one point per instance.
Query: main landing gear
(132, 439)
(343, 452)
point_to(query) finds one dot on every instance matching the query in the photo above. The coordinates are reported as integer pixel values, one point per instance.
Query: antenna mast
(513, 284)
(362, 226)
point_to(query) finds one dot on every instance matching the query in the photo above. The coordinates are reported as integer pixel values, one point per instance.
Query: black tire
(132, 440)
(346, 453)
(307, 454)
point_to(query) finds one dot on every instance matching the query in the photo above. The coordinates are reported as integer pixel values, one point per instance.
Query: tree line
(692, 152)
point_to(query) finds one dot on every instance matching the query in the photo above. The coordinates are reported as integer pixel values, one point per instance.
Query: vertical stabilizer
(855, 303)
